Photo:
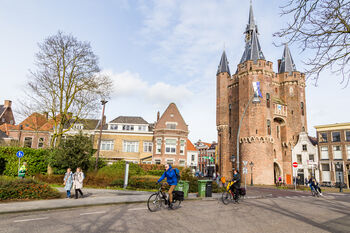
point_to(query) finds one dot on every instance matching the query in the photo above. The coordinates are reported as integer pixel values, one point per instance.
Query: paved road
(275, 213)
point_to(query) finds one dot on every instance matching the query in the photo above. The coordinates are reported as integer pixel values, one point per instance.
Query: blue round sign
(20, 154)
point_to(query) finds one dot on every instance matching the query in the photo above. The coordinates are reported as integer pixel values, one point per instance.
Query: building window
(347, 136)
(28, 142)
(268, 127)
(278, 131)
(302, 108)
(41, 143)
(128, 127)
(324, 152)
(182, 163)
(323, 137)
(304, 147)
(325, 167)
(170, 125)
(170, 161)
(142, 128)
(229, 108)
(159, 146)
(348, 151)
(312, 158)
(337, 152)
(182, 147)
(336, 136)
(157, 161)
(170, 146)
(147, 147)
(130, 146)
(193, 155)
(107, 145)
(113, 127)
(299, 159)
(268, 100)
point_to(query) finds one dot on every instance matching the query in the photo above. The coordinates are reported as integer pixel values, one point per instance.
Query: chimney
(279, 64)
(158, 116)
(7, 103)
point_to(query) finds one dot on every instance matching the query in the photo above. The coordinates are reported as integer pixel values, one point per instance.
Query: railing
(280, 110)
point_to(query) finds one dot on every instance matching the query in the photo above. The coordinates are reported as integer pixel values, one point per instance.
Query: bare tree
(322, 26)
(67, 83)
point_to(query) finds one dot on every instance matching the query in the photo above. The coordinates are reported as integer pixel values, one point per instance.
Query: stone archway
(277, 172)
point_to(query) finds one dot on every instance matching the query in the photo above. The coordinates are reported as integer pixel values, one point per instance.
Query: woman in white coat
(78, 178)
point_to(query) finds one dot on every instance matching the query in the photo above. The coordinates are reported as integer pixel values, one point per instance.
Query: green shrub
(155, 172)
(118, 169)
(12, 189)
(37, 160)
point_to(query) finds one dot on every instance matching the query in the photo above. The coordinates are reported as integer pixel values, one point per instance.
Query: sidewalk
(94, 197)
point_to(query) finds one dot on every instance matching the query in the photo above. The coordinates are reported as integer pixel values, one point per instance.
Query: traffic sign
(19, 154)
(295, 164)
(245, 163)
(245, 170)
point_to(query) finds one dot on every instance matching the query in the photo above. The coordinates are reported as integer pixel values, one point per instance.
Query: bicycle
(228, 195)
(158, 199)
(315, 192)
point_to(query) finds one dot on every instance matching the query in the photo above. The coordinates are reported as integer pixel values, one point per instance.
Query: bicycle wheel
(226, 197)
(154, 202)
(176, 203)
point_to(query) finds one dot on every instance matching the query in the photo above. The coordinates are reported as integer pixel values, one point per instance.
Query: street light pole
(251, 173)
(103, 102)
(338, 165)
(253, 99)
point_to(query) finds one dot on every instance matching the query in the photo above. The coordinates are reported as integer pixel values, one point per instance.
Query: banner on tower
(257, 91)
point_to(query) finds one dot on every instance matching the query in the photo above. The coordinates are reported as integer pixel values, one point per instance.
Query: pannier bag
(242, 191)
(178, 195)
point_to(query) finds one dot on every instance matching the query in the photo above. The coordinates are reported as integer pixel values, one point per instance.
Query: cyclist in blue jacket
(171, 179)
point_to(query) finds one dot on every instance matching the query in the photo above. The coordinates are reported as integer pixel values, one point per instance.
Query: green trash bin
(186, 188)
(202, 187)
(180, 186)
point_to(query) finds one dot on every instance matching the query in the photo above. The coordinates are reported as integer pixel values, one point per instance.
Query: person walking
(22, 171)
(171, 179)
(68, 181)
(78, 178)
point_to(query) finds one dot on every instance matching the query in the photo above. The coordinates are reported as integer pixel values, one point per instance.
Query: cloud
(129, 84)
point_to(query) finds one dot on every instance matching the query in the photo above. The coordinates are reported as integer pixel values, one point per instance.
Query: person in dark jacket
(171, 179)
(315, 185)
(236, 185)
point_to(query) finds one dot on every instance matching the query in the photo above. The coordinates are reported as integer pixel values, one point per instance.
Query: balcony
(280, 110)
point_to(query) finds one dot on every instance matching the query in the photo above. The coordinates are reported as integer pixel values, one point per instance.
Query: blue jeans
(68, 193)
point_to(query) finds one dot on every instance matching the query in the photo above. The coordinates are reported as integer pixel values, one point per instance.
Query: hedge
(37, 160)
(14, 189)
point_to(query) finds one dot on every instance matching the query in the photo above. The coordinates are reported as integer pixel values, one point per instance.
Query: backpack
(177, 172)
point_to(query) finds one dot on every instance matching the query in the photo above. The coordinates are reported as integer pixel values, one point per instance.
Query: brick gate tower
(269, 128)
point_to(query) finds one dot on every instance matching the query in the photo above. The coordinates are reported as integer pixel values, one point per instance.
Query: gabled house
(192, 156)
(170, 136)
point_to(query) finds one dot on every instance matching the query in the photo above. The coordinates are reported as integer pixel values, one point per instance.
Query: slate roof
(88, 124)
(2, 109)
(223, 66)
(287, 63)
(129, 120)
(252, 47)
(313, 140)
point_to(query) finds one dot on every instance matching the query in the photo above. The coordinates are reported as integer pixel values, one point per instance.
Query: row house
(305, 153)
(128, 138)
(334, 151)
(192, 156)
(206, 157)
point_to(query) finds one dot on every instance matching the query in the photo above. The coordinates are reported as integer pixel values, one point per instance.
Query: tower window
(278, 131)
(268, 127)
(302, 108)
(268, 100)
(229, 108)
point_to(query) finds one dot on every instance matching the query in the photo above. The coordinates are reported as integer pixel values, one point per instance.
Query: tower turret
(287, 63)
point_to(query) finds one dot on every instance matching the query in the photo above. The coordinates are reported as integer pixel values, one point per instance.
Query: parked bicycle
(160, 199)
(229, 196)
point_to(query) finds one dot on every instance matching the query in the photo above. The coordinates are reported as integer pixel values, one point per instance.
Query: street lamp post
(251, 173)
(103, 102)
(255, 99)
(338, 166)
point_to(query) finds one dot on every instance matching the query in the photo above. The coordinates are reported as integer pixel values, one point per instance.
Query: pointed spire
(252, 48)
(223, 66)
(287, 63)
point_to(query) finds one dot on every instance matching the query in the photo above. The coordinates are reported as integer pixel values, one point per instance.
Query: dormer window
(113, 127)
(128, 127)
(171, 125)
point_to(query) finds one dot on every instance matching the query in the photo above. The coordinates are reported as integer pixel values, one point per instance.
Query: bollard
(126, 176)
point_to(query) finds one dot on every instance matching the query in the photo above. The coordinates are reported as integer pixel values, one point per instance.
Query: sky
(158, 52)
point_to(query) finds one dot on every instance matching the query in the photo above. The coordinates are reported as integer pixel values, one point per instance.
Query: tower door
(277, 172)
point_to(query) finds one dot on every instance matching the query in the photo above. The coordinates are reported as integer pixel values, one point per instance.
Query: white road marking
(32, 219)
(138, 209)
(101, 212)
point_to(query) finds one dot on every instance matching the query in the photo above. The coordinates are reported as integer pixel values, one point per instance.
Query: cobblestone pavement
(274, 213)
